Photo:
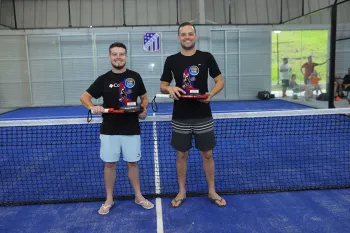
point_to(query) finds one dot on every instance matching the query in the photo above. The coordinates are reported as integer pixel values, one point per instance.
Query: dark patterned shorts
(202, 129)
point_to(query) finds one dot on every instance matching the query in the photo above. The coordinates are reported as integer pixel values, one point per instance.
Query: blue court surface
(306, 211)
(62, 162)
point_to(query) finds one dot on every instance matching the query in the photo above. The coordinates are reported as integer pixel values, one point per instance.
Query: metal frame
(14, 12)
(332, 55)
(62, 80)
(239, 63)
(29, 72)
(336, 3)
(226, 53)
(69, 15)
(94, 57)
(225, 44)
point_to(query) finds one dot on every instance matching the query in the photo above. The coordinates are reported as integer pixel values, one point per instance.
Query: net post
(332, 55)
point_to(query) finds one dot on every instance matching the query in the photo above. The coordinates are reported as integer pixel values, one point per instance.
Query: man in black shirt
(191, 117)
(119, 87)
(347, 78)
(346, 84)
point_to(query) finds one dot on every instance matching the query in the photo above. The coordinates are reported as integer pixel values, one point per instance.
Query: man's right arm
(173, 91)
(85, 99)
(166, 79)
(93, 90)
(164, 87)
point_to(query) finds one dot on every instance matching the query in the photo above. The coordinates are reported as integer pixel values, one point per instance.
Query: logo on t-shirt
(125, 91)
(113, 85)
(129, 82)
(189, 79)
(194, 70)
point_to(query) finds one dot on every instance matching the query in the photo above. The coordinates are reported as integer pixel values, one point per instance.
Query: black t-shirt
(191, 74)
(118, 90)
(346, 79)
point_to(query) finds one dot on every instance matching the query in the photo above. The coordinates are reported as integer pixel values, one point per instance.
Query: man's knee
(132, 164)
(182, 155)
(207, 154)
(110, 165)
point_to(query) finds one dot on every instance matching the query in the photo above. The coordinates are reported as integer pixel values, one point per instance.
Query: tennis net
(55, 161)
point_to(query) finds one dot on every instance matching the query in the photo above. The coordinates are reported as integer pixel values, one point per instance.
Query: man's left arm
(219, 85)
(214, 71)
(143, 98)
(144, 104)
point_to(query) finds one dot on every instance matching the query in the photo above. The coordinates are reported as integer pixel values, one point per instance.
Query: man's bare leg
(134, 176)
(209, 169)
(109, 180)
(181, 168)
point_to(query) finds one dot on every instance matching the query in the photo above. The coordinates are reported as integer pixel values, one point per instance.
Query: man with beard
(119, 87)
(192, 117)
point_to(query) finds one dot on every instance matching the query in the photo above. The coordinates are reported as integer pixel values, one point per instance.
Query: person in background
(314, 80)
(300, 88)
(338, 86)
(309, 68)
(284, 69)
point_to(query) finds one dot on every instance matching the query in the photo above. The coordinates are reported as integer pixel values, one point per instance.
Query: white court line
(160, 228)
(159, 210)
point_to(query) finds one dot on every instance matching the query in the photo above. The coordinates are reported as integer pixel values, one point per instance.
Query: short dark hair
(118, 44)
(186, 24)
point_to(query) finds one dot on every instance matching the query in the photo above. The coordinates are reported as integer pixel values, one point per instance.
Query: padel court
(282, 167)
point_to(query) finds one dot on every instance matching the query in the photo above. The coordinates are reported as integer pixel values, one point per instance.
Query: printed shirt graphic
(189, 79)
(192, 71)
(125, 90)
(117, 90)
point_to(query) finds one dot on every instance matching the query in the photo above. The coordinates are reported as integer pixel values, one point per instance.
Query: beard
(119, 67)
(188, 47)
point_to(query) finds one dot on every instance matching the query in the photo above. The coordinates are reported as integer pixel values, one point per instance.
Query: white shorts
(113, 145)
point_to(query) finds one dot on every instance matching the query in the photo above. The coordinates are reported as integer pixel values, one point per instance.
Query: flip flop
(174, 201)
(144, 204)
(105, 207)
(215, 201)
